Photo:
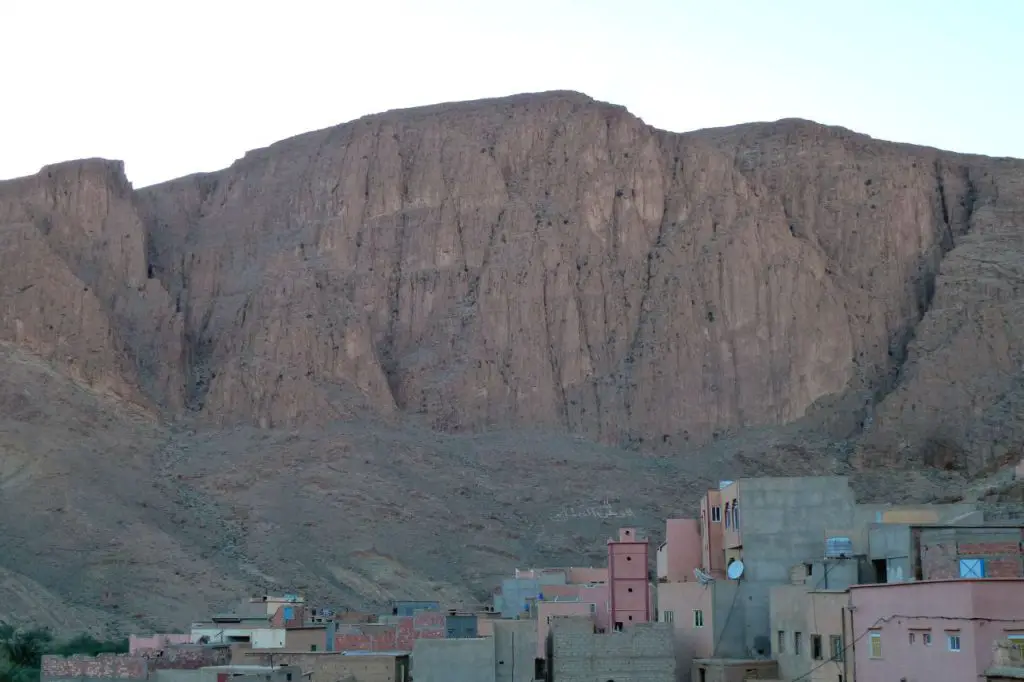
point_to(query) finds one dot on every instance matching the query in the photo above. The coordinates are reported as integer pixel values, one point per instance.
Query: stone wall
(641, 653)
(104, 666)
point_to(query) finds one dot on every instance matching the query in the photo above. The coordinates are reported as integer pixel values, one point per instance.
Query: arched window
(736, 514)
(727, 517)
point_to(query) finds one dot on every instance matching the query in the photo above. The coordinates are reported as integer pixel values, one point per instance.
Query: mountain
(413, 351)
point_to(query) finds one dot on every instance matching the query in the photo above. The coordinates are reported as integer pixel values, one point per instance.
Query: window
(716, 514)
(312, 647)
(926, 638)
(954, 641)
(912, 637)
(728, 518)
(698, 618)
(835, 645)
(797, 641)
(736, 515)
(782, 642)
(289, 613)
(668, 617)
(972, 568)
(1017, 640)
(876, 645)
(816, 647)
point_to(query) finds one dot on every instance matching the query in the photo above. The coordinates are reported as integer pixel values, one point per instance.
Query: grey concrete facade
(454, 660)
(784, 522)
(515, 650)
(641, 653)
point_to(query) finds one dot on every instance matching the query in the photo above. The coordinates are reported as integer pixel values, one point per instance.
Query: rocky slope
(377, 306)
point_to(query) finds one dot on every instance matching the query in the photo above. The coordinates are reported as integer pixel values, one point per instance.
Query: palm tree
(23, 648)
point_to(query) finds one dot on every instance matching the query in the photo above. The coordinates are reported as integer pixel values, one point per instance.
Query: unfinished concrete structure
(641, 653)
(810, 630)
(456, 660)
(373, 666)
(515, 651)
(734, 670)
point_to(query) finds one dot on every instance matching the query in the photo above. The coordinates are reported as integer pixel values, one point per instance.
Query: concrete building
(901, 552)
(940, 631)
(551, 609)
(681, 552)
(515, 651)
(232, 628)
(158, 642)
(375, 666)
(460, 625)
(640, 653)
(1007, 661)
(733, 670)
(390, 633)
(455, 660)
(706, 620)
(513, 599)
(810, 632)
(410, 607)
(629, 579)
(308, 638)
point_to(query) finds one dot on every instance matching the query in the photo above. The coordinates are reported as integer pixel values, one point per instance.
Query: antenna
(735, 570)
(702, 577)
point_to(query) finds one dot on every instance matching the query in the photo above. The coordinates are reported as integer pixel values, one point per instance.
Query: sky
(176, 87)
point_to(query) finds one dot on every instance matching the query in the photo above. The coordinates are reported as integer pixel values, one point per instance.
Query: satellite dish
(735, 570)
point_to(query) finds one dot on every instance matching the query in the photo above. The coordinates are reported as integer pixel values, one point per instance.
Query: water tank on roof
(838, 547)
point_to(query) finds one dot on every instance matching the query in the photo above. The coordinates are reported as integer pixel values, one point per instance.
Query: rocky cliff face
(203, 379)
(541, 259)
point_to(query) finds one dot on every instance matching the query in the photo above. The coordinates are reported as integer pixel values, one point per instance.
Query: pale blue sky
(178, 87)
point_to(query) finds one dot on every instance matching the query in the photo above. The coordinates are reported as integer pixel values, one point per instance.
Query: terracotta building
(629, 579)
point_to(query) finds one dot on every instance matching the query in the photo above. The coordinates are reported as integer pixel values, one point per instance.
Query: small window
(716, 514)
(816, 647)
(926, 638)
(954, 642)
(972, 568)
(781, 646)
(630, 589)
(668, 617)
(876, 645)
(698, 618)
(797, 643)
(312, 647)
(631, 617)
(835, 645)
(629, 558)
(736, 515)
(728, 517)
(912, 637)
(618, 626)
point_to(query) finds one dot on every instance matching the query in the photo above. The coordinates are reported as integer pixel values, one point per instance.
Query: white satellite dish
(735, 570)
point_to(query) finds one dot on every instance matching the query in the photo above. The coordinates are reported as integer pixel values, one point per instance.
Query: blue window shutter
(289, 613)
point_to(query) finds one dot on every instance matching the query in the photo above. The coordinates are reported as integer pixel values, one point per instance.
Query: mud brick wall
(1000, 548)
(104, 666)
(189, 657)
(398, 636)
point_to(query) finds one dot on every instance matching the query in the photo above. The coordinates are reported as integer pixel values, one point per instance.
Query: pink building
(712, 538)
(596, 594)
(139, 643)
(628, 579)
(939, 631)
(681, 551)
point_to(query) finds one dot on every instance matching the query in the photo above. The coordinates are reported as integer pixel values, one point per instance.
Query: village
(777, 579)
